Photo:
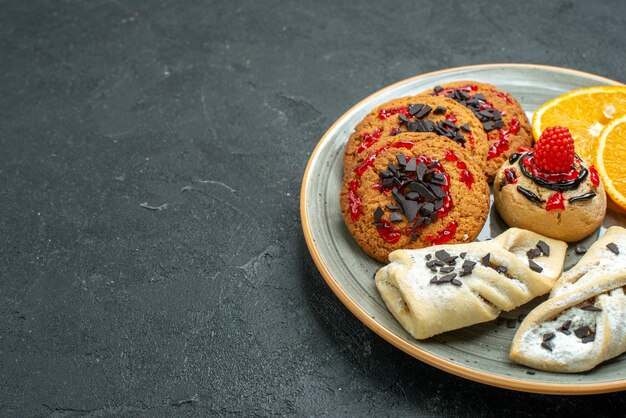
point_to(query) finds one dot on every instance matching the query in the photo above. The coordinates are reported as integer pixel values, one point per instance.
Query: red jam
(523, 149)
(354, 200)
(451, 117)
(369, 139)
(395, 130)
(503, 95)
(450, 155)
(388, 232)
(510, 175)
(555, 202)
(444, 235)
(593, 176)
(385, 113)
(465, 175)
(497, 148)
(470, 138)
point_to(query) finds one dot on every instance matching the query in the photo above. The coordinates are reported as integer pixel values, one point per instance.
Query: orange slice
(610, 156)
(585, 112)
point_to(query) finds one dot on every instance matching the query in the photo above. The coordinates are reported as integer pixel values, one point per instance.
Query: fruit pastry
(550, 190)
(443, 117)
(414, 190)
(501, 116)
(438, 289)
(584, 321)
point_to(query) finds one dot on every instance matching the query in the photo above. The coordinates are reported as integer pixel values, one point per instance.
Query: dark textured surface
(209, 111)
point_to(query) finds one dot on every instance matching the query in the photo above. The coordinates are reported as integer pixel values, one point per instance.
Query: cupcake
(550, 190)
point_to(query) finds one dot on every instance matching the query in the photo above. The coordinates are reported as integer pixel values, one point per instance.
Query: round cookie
(414, 190)
(502, 117)
(568, 207)
(423, 113)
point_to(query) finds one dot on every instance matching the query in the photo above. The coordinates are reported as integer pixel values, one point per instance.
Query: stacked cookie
(416, 168)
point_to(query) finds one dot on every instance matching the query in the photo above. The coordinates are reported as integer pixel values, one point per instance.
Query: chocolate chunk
(485, 260)
(533, 252)
(439, 110)
(427, 209)
(530, 372)
(428, 256)
(434, 280)
(438, 204)
(465, 273)
(434, 216)
(389, 182)
(393, 169)
(420, 171)
(545, 248)
(547, 345)
(438, 191)
(447, 277)
(439, 179)
(413, 196)
(456, 282)
(442, 255)
(465, 127)
(581, 249)
(411, 165)
(401, 159)
(451, 260)
(427, 221)
(497, 124)
(564, 331)
(437, 89)
(501, 269)
(566, 324)
(614, 248)
(410, 209)
(463, 254)
(423, 191)
(414, 108)
(511, 323)
(529, 195)
(425, 110)
(534, 266)
(446, 269)
(479, 96)
(468, 265)
(488, 126)
(583, 331)
(395, 217)
(591, 308)
(588, 339)
(392, 207)
(549, 336)
(385, 174)
(378, 214)
(399, 198)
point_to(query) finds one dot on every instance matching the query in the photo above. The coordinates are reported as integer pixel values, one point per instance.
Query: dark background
(212, 305)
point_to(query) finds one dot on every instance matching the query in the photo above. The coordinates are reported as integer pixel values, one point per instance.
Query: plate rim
(390, 337)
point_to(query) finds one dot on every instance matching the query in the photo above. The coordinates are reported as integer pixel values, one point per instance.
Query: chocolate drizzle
(586, 196)
(559, 185)
(529, 195)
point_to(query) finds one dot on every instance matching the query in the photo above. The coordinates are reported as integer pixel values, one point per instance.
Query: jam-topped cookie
(414, 190)
(502, 118)
(439, 115)
(550, 190)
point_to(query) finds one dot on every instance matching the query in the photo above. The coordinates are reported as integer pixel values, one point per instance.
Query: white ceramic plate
(479, 352)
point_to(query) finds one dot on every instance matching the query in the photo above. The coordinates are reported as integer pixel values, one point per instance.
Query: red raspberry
(554, 152)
